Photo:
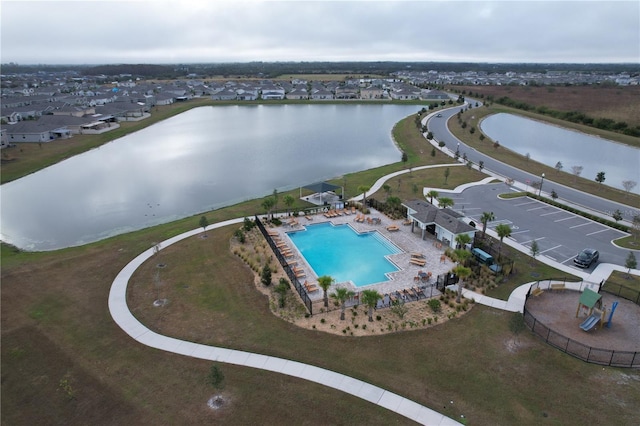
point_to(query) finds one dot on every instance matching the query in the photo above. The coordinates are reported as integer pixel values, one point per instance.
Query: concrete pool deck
(409, 242)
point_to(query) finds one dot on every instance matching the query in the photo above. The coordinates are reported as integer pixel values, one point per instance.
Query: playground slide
(590, 322)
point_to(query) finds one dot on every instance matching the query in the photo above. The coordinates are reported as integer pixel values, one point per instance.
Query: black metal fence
(622, 291)
(302, 291)
(579, 350)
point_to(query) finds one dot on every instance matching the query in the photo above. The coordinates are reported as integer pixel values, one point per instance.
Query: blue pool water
(344, 254)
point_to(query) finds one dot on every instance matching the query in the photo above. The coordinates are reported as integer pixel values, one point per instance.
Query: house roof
(448, 219)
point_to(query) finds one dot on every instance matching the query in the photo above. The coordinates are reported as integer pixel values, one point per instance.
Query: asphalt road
(560, 235)
(438, 127)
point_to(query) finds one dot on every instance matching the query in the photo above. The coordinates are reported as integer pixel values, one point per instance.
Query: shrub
(434, 304)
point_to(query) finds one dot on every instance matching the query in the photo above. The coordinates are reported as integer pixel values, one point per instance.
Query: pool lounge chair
(310, 287)
(393, 228)
(418, 262)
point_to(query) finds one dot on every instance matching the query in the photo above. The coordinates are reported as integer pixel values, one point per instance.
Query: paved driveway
(560, 235)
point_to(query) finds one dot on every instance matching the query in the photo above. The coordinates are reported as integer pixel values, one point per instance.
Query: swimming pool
(344, 254)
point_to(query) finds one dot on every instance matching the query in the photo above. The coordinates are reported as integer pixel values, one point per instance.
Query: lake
(549, 144)
(203, 159)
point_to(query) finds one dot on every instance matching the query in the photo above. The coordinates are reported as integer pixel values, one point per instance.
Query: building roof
(448, 219)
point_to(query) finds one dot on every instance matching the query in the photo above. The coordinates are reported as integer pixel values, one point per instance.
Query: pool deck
(409, 242)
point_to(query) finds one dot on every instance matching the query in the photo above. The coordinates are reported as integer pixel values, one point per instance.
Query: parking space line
(597, 232)
(537, 208)
(520, 232)
(568, 259)
(582, 224)
(535, 239)
(524, 204)
(566, 218)
(552, 248)
(556, 212)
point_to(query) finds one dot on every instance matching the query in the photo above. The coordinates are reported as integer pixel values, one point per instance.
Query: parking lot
(560, 235)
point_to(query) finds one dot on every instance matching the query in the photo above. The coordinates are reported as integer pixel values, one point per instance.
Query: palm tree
(364, 189)
(486, 217)
(341, 295)
(463, 240)
(503, 230)
(325, 282)
(288, 200)
(370, 299)
(444, 202)
(461, 272)
(432, 194)
(268, 204)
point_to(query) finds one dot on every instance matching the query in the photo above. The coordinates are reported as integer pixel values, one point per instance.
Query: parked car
(439, 115)
(586, 258)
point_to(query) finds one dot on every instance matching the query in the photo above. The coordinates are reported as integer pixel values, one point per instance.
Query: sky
(207, 31)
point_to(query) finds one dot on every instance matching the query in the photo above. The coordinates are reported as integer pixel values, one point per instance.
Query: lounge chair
(418, 262)
(393, 228)
(310, 287)
(309, 217)
(273, 233)
(417, 256)
(353, 210)
(361, 219)
(407, 222)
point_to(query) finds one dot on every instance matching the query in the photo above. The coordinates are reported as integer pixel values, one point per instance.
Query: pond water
(203, 159)
(549, 144)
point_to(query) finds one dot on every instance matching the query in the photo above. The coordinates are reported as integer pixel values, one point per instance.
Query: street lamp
(541, 182)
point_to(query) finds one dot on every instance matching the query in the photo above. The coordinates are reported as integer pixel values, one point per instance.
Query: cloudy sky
(185, 31)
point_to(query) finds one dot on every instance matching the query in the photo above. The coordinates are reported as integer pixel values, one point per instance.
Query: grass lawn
(64, 360)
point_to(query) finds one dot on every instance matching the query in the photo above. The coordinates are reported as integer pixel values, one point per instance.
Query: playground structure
(592, 301)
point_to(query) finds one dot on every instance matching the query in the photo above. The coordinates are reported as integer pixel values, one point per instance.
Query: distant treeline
(572, 116)
(276, 69)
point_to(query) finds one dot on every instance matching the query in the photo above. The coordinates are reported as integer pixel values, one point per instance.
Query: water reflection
(549, 144)
(203, 159)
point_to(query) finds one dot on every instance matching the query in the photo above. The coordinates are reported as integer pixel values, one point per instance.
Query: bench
(537, 291)
(558, 287)
(418, 262)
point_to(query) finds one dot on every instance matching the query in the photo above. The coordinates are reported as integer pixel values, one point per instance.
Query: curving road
(439, 128)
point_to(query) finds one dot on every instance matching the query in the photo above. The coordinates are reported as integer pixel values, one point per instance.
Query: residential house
(298, 93)
(321, 94)
(371, 93)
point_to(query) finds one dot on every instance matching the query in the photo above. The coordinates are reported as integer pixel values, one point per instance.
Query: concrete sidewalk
(130, 325)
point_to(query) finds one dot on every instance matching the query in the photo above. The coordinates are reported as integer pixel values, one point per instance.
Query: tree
(447, 172)
(265, 277)
(398, 307)
(370, 299)
(432, 194)
(462, 272)
(503, 231)
(204, 223)
(628, 185)
(394, 203)
(414, 189)
(534, 249)
(486, 217)
(267, 205)
(635, 226)
(559, 166)
(288, 200)
(631, 263)
(364, 189)
(600, 177)
(282, 288)
(576, 170)
(275, 199)
(444, 202)
(325, 282)
(463, 240)
(461, 256)
(387, 189)
(617, 215)
(341, 295)
(405, 157)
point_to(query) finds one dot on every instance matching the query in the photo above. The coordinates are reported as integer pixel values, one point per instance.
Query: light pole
(541, 182)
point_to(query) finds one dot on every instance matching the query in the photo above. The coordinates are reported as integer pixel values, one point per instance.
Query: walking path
(376, 395)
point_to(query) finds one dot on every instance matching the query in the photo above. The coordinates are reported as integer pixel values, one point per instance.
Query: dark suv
(586, 258)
